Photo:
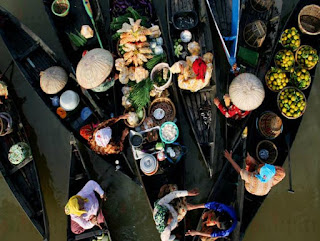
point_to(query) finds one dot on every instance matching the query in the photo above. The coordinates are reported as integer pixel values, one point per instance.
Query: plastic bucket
(60, 8)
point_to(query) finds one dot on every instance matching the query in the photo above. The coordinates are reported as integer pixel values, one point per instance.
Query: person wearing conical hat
(259, 179)
(83, 208)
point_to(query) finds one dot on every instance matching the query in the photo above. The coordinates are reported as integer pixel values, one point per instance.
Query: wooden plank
(194, 111)
(21, 165)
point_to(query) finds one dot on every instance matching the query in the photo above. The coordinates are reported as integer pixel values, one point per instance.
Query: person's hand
(93, 219)
(193, 192)
(104, 197)
(191, 233)
(228, 155)
(216, 101)
(125, 133)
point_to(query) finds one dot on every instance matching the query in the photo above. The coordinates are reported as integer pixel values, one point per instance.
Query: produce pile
(292, 102)
(276, 79)
(307, 57)
(296, 60)
(284, 59)
(301, 78)
(290, 38)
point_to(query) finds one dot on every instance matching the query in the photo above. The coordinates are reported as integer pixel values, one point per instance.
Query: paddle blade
(87, 6)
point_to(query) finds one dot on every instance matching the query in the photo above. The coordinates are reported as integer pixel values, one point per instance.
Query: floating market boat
(191, 17)
(229, 188)
(152, 156)
(85, 19)
(17, 165)
(32, 56)
(304, 18)
(226, 16)
(79, 176)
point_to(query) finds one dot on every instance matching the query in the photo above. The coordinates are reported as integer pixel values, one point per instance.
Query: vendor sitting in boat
(246, 93)
(259, 179)
(222, 216)
(230, 110)
(100, 136)
(83, 208)
(171, 209)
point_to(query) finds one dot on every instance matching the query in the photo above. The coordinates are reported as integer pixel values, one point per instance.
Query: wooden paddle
(87, 6)
(287, 137)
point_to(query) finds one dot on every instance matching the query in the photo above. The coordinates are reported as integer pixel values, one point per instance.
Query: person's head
(224, 221)
(266, 172)
(75, 206)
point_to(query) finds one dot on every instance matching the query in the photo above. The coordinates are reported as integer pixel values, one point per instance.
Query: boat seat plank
(28, 51)
(88, 234)
(21, 165)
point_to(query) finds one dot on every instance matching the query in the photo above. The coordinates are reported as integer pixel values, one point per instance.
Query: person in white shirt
(166, 216)
(83, 208)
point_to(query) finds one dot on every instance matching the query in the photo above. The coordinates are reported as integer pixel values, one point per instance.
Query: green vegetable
(77, 39)
(158, 79)
(140, 94)
(116, 36)
(140, 114)
(155, 60)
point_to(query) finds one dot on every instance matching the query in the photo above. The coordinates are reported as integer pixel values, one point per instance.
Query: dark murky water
(282, 217)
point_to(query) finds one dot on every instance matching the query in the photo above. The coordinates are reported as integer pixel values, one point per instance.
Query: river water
(283, 216)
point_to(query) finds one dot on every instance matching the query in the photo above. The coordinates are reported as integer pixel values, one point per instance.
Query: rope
(5, 116)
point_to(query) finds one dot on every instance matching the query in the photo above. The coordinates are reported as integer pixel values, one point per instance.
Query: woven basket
(255, 33)
(278, 102)
(133, 110)
(158, 100)
(296, 58)
(309, 20)
(266, 125)
(271, 150)
(292, 66)
(266, 78)
(261, 5)
(294, 82)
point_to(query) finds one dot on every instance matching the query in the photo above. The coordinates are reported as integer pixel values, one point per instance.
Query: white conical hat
(246, 92)
(94, 68)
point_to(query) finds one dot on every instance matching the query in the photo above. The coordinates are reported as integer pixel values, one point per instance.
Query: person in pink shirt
(83, 208)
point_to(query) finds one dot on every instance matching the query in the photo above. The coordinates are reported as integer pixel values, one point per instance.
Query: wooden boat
(79, 176)
(22, 178)
(229, 188)
(167, 172)
(290, 126)
(32, 56)
(105, 102)
(226, 16)
(198, 106)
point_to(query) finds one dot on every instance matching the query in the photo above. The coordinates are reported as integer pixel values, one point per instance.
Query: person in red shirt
(230, 111)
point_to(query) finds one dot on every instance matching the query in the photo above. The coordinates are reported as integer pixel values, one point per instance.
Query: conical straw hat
(53, 80)
(246, 92)
(94, 68)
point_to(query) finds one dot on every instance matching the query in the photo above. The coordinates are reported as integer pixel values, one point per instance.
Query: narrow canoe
(79, 176)
(22, 178)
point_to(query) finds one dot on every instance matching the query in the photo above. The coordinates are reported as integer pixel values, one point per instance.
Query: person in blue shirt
(223, 216)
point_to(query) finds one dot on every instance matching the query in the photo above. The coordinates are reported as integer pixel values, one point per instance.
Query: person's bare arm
(228, 156)
(195, 233)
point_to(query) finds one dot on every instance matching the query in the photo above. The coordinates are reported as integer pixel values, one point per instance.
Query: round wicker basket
(266, 78)
(278, 102)
(261, 5)
(296, 58)
(133, 110)
(169, 116)
(295, 83)
(255, 33)
(275, 62)
(267, 152)
(309, 20)
(269, 125)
